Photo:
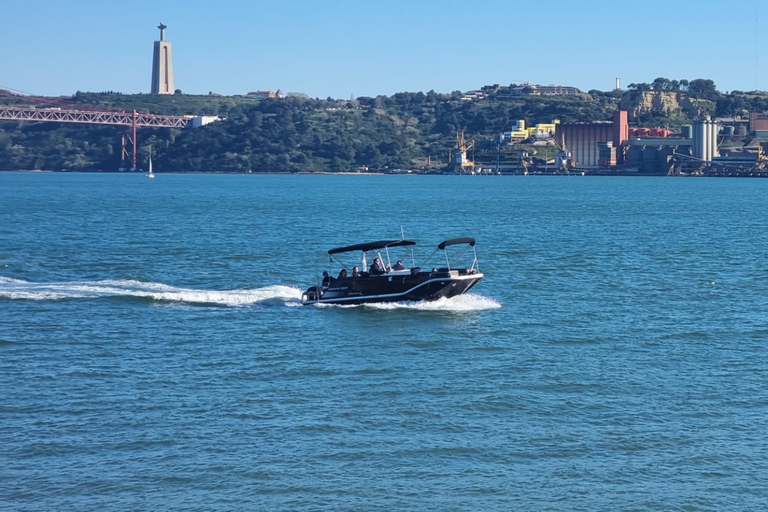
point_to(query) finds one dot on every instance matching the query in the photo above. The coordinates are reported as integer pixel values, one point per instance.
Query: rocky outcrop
(670, 104)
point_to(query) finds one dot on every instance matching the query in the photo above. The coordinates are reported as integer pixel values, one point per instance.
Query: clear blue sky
(366, 47)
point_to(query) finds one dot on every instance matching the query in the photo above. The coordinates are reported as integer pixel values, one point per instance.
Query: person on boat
(326, 278)
(377, 268)
(398, 265)
(355, 271)
(342, 274)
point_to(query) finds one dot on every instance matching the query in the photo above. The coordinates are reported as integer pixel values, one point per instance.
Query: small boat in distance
(384, 282)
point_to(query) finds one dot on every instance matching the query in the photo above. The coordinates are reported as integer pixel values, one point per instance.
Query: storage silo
(698, 139)
(705, 139)
(707, 156)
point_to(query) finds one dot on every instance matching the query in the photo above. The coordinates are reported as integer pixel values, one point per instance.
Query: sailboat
(150, 174)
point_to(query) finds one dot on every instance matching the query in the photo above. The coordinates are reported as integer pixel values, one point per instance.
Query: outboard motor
(312, 293)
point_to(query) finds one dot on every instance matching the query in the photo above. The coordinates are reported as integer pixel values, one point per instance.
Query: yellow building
(544, 128)
(520, 132)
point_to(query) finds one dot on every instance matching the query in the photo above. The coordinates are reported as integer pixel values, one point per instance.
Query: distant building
(586, 140)
(162, 65)
(494, 88)
(581, 140)
(473, 96)
(648, 132)
(705, 133)
(521, 132)
(266, 94)
(706, 146)
(557, 90)
(733, 126)
(199, 121)
(517, 133)
(606, 154)
(758, 123)
(519, 90)
(544, 90)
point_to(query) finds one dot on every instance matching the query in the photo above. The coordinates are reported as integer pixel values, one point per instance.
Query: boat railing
(474, 267)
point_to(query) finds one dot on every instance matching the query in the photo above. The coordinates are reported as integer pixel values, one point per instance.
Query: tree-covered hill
(298, 134)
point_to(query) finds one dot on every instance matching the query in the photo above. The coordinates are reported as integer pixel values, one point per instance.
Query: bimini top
(454, 241)
(372, 246)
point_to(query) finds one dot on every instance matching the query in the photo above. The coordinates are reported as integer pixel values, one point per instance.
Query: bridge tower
(162, 65)
(130, 141)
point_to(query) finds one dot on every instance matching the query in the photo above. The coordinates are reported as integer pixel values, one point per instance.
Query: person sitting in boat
(342, 274)
(326, 279)
(398, 265)
(377, 268)
(355, 271)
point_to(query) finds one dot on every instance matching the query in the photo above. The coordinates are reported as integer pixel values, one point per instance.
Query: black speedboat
(398, 282)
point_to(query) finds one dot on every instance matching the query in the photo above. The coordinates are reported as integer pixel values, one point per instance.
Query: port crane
(460, 160)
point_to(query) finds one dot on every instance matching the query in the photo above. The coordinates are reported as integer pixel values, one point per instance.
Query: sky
(353, 48)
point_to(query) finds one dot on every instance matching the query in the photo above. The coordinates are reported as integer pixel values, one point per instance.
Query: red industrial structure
(620, 130)
(648, 132)
(758, 122)
(76, 113)
(601, 144)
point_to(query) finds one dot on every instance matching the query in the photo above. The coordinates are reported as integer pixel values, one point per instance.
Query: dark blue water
(154, 355)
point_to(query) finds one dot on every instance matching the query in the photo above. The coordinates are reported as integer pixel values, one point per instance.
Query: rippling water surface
(154, 354)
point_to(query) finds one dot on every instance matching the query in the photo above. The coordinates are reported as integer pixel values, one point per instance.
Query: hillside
(309, 135)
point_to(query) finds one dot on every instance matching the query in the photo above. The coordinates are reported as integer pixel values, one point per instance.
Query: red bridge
(72, 112)
(59, 115)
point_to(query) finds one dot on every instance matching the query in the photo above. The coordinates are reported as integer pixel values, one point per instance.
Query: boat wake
(17, 289)
(465, 302)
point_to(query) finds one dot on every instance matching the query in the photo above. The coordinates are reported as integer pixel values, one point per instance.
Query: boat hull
(394, 287)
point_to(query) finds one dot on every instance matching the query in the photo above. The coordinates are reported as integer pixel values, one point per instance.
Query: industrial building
(708, 147)
(705, 134)
(582, 140)
(613, 147)
(758, 123)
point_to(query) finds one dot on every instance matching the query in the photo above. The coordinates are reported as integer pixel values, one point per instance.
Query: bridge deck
(59, 115)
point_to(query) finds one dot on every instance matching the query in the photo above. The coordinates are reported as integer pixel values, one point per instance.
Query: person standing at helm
(377, 268)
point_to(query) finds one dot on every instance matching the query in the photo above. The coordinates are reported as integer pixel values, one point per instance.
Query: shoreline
(586, 173)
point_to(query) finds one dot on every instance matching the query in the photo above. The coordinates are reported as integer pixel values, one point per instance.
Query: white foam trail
(4, 279)
(23, 290)
(17, 289)
(465, 302)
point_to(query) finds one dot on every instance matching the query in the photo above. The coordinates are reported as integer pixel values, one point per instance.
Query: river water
(154, 354)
